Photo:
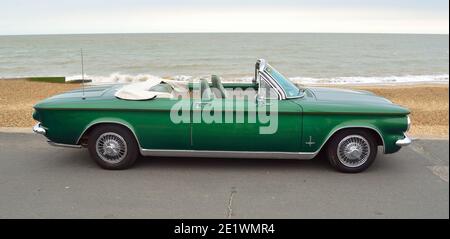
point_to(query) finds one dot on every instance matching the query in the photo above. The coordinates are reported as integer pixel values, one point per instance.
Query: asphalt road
(41, 181)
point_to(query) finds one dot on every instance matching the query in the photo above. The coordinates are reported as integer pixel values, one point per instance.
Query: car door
(158, 128)
(248, 129)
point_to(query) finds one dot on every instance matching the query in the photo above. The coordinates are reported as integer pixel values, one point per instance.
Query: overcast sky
(139, 16)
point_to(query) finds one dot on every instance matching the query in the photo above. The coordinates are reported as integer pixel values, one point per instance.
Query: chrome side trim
(404, 142)
(38, 129)
(226, 154)
(76, 146)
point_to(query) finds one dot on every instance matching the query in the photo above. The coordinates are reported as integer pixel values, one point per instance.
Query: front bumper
(38, 129)
(404, 142)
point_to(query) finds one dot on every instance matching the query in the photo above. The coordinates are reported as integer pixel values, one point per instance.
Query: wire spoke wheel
(353, 151)
(111, 147)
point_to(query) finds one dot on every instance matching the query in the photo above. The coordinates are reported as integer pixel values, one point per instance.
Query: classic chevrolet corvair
(117, 123)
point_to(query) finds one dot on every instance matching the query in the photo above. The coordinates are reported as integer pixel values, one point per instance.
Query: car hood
(344, 95)
(342, 101)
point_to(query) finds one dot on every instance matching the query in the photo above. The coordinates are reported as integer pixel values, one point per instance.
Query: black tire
(357, 164)
(123, 156)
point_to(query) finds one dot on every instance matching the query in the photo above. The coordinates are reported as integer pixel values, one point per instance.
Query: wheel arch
(376, 134)
(90, 127)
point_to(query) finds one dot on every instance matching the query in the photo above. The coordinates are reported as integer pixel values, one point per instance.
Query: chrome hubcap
(111, 147)
(353, 151)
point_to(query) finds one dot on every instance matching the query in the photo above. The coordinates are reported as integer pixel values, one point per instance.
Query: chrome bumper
(38, 129)
(404, 142)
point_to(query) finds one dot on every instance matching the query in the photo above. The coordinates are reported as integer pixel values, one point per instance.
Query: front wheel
(113, 147)
(352, 151)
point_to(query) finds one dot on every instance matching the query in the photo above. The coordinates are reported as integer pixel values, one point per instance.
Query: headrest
(205, 90)
(215, 80)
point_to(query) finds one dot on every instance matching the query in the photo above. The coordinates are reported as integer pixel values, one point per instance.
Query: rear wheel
(113, 147)
(352, 151)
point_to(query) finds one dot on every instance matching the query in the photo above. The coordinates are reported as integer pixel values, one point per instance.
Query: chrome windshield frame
(261, 71)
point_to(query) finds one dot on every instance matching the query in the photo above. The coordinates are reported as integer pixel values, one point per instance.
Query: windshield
(289, 87)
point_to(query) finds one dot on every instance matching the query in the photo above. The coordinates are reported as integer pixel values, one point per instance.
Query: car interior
(217, 90)
(209, 90)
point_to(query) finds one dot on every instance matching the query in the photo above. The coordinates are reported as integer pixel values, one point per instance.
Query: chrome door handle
(200, 104)
(263, 103)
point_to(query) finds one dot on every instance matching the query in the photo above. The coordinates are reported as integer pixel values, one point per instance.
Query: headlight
(409, 123)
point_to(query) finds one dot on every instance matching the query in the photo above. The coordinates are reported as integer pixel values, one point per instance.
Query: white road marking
(440, 171)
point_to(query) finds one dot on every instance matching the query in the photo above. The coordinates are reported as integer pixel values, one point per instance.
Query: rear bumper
(404, 142)
(64, 145)
(38, 129)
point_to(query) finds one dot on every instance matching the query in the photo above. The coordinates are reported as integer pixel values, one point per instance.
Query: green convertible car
(270, 117)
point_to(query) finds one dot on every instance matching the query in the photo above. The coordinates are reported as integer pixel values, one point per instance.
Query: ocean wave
(370, 80)
(114, 78)
(354, 80)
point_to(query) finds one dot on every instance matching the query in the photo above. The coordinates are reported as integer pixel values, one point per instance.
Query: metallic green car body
(305, 124)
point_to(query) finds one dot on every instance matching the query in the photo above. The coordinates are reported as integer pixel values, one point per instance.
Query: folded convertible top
(145, 91)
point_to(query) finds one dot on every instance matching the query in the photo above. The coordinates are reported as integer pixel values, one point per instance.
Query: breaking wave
(355, 80)
(388, 80)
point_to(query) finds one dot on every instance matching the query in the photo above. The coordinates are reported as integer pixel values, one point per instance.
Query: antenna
(82, 72)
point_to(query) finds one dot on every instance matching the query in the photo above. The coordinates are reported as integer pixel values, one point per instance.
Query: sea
(306, 58)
